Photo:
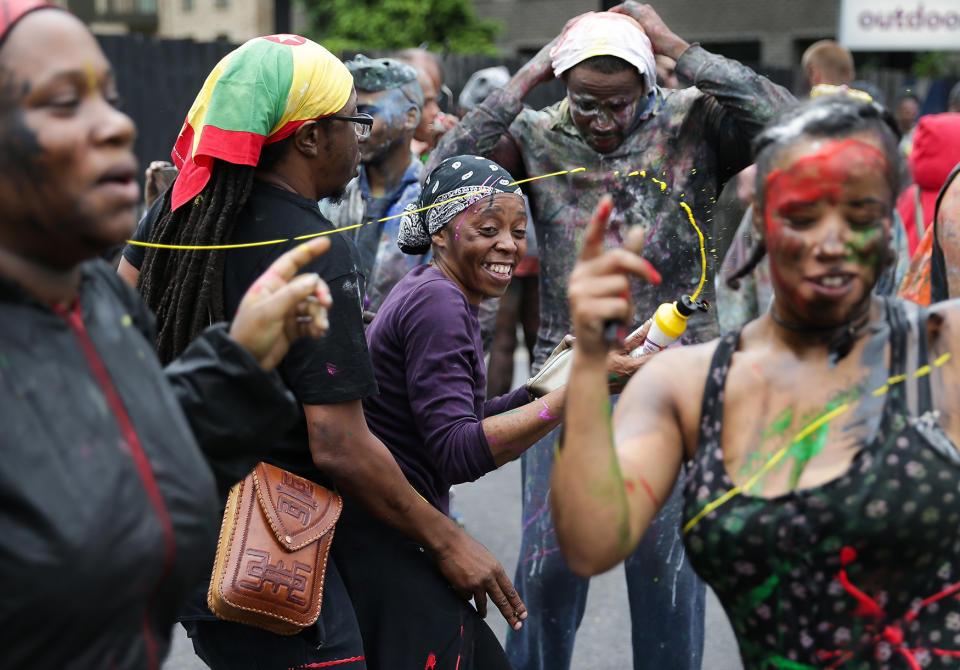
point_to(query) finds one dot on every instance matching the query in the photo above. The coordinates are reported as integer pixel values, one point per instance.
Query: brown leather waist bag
(272, 553)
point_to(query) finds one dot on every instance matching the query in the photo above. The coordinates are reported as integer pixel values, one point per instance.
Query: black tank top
(860, 572)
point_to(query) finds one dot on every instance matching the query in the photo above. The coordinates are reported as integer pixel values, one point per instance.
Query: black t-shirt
(336, 368)
(133, 253)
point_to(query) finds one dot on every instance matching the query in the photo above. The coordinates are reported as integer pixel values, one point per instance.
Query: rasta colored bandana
(12, 11)
(257, 94)
(450, 188)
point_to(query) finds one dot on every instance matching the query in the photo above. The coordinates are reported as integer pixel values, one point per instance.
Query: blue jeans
(666, 597)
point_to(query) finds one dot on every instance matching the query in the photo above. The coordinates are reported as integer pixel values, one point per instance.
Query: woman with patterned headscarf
(109, 510)
(430, 412)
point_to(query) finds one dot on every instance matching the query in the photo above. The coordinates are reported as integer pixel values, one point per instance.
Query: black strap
(899, 334)
(711, 409)
(924, 395)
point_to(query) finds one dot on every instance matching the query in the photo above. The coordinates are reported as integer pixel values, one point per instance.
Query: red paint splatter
(629, 485)
(892, 633)
(327, 664)
(461, 648)
(431, 662)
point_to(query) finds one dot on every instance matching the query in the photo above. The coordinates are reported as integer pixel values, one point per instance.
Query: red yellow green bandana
(259, 93)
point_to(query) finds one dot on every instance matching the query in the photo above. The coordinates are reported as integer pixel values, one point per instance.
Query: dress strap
(711, 409)
(924, 395)
(899, 335)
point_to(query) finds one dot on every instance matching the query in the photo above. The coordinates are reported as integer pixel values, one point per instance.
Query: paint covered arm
(598, 516)
(511, 433)
(485, 131)
(737, 104)
(609, 480)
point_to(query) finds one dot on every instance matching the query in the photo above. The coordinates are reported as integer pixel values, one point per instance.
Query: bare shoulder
(671, 384)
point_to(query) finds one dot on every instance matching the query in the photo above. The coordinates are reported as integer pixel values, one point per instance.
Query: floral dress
(860, 572)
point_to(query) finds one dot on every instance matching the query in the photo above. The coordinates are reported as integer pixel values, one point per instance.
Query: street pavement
(491, 511)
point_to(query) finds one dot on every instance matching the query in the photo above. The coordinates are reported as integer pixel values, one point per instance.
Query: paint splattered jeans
(666, 597)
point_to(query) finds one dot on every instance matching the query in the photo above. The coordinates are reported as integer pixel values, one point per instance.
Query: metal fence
(158, 80)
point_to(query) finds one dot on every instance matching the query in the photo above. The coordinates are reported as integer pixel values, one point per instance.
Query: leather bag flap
(298, 510)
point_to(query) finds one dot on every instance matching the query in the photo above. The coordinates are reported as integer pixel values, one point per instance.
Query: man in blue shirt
(389, 176)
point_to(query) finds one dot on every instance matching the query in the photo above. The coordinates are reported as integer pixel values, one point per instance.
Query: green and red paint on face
(826, 213)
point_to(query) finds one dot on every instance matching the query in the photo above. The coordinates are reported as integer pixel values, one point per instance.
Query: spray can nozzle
(669, 323)
(687, 305)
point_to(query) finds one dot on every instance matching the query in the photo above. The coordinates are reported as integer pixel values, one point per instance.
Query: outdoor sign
(900, 25)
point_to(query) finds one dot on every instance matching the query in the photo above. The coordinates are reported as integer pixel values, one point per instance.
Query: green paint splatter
(781, 422)
(755, 596)
(801, 451)
(786, 664)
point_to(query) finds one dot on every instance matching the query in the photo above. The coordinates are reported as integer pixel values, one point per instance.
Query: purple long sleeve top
(428, 359)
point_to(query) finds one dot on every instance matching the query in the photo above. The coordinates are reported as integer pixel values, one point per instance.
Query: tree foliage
(395, 24)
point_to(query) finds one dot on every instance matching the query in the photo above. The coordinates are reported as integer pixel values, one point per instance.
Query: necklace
(840, 339)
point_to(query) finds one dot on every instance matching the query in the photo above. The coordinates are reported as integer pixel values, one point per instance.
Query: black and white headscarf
(450, 188)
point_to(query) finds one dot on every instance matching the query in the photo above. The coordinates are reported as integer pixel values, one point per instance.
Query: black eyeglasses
(362, 123)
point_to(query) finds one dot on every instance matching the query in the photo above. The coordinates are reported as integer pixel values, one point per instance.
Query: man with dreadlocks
(273, 131)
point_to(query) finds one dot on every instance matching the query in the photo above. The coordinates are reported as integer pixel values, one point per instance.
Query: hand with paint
(621, 365)
(279, 309)
(599, 284)
(664, 41)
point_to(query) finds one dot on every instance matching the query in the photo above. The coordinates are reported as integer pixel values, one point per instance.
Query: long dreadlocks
(185, 288)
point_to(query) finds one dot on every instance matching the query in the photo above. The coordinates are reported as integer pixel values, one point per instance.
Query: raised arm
(738, 101)
(609, 480)
(485, 131)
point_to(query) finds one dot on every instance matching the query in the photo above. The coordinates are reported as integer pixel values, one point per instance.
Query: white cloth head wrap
(605, 34)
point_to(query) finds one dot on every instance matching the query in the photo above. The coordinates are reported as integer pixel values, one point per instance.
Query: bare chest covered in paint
(790, 426)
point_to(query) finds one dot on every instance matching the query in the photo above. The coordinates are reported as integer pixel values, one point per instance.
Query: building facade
(774, 32)
(235, 21)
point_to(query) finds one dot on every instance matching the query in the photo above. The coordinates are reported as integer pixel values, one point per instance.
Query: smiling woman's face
(67, 170)
(481, 247)
(827, 212)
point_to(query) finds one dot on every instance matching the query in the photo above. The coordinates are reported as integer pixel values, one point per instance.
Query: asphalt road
(491, 511)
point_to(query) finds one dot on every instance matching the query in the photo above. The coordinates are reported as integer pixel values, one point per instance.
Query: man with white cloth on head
(651, 149)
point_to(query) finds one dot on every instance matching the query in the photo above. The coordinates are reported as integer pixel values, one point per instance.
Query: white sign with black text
(900, 25)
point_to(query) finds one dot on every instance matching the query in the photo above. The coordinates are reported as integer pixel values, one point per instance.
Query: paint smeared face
(481, 247)
(394, 119)
(604, 106)
(827, 212)
(67, 170)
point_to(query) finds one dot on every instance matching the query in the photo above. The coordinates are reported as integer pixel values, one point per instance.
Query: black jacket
(108, 512)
